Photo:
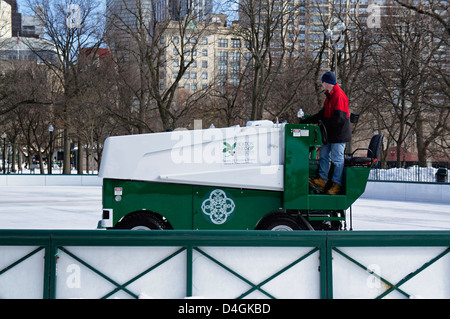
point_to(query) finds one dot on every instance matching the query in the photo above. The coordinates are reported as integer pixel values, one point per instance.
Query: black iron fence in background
(437, 172)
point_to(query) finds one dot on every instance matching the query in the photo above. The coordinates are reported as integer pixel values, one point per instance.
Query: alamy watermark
(374, 16)
(73, 20)
(74, 278)
(373, 280)
(258, 145)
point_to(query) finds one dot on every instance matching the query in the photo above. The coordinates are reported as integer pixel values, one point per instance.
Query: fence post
(50, 269)
(189, 271)
(328, 264)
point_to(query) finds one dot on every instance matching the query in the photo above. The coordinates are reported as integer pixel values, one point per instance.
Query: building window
(235, 43)
(204, 41)
(234, 80)
(223, 43)
(223, 57)
(205, 52)
(204, 64)
(235, 62)
(222, 64)
(235, 57)
(204, 75)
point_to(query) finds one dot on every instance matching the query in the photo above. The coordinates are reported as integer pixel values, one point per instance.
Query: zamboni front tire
(279, 223)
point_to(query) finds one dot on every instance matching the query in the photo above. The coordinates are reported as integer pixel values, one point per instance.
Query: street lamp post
(4, 151)
(336, 34)
(50, 129)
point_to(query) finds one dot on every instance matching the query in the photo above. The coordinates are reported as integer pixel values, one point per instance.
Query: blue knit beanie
(329, 77)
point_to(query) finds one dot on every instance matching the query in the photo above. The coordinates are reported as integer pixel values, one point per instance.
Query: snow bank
(410, 174)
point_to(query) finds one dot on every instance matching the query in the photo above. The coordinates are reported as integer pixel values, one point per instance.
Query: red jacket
(335, 115)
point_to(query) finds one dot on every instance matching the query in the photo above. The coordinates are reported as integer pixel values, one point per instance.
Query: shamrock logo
(218, 207)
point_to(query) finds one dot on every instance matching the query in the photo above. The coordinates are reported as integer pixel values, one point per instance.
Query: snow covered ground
(79, 207)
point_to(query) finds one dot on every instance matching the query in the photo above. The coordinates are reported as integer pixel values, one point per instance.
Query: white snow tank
(250, 157)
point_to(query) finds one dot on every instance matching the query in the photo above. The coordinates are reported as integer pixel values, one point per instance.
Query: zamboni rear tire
(140, 221)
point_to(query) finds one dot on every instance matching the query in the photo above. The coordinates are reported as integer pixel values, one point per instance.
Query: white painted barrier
(403, 191)
(224, 264)
(49, 180)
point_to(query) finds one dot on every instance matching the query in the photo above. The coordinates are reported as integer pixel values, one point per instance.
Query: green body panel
(301, 142)
(181, 204)
(208, 207)
(165, 199)
(250, 207)
(354, 183)
(356, 180)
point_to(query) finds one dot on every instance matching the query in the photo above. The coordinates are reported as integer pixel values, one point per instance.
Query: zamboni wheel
(140, 221)
(279, 222)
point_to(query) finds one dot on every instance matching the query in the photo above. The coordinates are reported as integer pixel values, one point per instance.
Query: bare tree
(94, 124)
(436, 9)
(25, 88)
(141, 42)
(69, 26)
(403, 84)
(270, 31)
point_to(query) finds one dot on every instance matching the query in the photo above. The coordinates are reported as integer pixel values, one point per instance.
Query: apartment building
(215, 55)
(5, 20)
(21, 36)
(219, 55)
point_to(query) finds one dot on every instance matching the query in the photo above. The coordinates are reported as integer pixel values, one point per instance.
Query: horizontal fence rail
(58, 264)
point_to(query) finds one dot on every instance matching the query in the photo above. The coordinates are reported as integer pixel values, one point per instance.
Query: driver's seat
(373, 153)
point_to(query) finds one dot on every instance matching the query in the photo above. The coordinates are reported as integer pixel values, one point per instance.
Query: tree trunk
(66, 162)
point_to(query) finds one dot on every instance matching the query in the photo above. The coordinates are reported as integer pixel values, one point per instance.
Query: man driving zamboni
(335, 116)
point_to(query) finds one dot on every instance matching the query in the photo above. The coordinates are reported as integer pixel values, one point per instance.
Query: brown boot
(318, 183)
(335, 189)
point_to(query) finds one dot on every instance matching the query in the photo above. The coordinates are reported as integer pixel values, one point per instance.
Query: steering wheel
(323, 132)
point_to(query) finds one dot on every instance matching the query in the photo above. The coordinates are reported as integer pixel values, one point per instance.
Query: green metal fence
(224, 264)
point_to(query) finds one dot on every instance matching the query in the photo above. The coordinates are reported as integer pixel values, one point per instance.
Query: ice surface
(79, 207)
(50, 207)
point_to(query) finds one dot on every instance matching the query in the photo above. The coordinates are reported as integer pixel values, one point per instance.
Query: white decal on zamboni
(218, 207)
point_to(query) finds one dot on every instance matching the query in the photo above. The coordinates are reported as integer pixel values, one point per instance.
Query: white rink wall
(404, 191)
(50, 180)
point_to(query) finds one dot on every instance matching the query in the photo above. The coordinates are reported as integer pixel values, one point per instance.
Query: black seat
(373, 153)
